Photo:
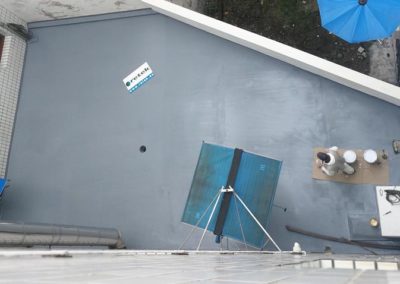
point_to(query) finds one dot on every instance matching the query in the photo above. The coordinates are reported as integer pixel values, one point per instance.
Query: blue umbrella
(360, 20)
(2, 185)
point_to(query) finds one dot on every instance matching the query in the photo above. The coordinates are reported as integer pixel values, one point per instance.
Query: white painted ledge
(31, 252)
(293, 56)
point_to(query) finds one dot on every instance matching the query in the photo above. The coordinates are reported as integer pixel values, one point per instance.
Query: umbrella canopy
(2, 185)
(360, 20)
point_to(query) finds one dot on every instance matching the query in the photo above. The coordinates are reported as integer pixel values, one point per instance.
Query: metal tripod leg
(198, 222)
(209, 220)
(240, 222)
(258, 223)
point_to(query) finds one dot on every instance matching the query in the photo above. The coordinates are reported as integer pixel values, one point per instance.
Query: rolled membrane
(350, 156)
(370, 156)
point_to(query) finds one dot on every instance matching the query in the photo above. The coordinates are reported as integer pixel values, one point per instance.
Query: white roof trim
(293, 56)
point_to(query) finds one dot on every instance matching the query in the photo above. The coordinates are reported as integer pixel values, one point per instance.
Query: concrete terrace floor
(163, 267)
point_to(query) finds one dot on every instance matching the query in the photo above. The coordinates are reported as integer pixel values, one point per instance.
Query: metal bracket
(215, 203)
(229, 189)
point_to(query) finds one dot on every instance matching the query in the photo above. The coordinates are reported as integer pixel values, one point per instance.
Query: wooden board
(365, 173)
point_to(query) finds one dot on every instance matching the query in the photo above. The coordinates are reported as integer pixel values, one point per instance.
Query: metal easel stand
(216, 200)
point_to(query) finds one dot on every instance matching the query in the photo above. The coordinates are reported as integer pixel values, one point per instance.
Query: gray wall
(75, 156)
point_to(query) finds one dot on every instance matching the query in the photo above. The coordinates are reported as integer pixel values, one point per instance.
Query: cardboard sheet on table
(365, 173)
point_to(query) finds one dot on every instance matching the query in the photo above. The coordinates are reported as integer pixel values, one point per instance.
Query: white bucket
(350, 156)
(370, 156)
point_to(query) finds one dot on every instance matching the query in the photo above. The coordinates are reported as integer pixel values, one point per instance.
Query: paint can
(370, 156)
(350, 156)
(373, 222)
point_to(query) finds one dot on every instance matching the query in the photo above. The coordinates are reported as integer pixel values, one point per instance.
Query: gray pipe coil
(31, 234)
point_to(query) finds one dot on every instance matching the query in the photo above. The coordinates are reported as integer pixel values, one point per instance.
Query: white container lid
(350, 156)
(370, 156)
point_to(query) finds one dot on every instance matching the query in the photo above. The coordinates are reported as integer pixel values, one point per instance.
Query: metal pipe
(31, 234)
(209, 219)
(258, 222)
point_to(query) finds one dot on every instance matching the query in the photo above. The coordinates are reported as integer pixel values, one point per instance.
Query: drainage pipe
(31, 234)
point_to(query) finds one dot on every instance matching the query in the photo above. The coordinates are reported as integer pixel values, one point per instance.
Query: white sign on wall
(138, 77)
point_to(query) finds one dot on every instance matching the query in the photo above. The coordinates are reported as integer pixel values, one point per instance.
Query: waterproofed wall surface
(76, 155)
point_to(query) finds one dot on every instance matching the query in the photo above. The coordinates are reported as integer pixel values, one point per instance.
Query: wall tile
(11, 66)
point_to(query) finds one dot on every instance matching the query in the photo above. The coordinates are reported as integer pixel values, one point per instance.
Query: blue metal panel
(256, 183)
(210, 176)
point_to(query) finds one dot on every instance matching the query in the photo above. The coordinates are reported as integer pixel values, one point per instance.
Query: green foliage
(293, 22)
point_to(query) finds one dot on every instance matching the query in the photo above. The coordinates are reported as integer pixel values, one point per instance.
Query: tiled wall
(11, 65)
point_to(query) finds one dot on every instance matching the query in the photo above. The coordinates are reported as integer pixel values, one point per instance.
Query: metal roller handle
(31, 234)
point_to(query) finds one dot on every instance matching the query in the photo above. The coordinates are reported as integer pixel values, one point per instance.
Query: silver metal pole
(209, 220)
(265, 244)
(258, 223)
(198, 222)
(240, 222)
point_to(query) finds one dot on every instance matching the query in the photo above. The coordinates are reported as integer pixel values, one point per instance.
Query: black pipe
(30, 234)
(341, 240)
